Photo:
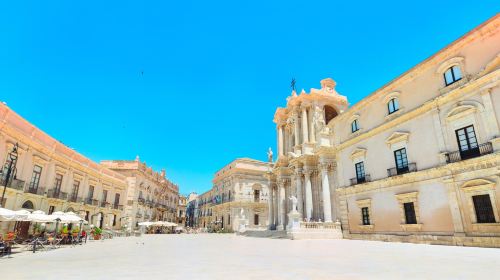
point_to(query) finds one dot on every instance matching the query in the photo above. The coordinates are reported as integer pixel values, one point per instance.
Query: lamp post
(11, 170)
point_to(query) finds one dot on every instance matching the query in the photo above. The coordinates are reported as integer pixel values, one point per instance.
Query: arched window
(354, 125)
(393, 105)
(28, 205)
(330, 113)
(452, 75)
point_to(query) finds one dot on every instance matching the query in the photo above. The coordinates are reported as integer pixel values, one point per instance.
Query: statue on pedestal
(270, 155)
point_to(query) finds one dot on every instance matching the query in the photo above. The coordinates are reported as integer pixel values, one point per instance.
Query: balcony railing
(91, 201)
(74, 198)
(55, 193)
(14, 184)
(117, 206)
(104, 204)
(34, 189)
(411, 167)
(361, 180)
(483, 149)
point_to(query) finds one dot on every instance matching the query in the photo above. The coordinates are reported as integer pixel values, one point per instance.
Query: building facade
(181, 211)
(415, 161)
(150, 195)
(241, 195)
(47, 175)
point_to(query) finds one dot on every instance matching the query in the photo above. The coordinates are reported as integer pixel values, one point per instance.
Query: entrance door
(101, 221)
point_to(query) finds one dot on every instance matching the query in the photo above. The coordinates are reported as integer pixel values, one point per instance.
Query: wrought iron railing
(55, 193)
(411, 167)
(104, 204)
(483, 149)
(361, 180)
(34, 189)
(74, 198)
(14, 184)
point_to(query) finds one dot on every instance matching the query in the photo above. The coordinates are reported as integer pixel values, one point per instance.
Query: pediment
(478, 185)
(357, 153)
(460, 111)
(397, 137)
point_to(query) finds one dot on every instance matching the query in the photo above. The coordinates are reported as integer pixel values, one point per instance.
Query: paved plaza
(224, 256)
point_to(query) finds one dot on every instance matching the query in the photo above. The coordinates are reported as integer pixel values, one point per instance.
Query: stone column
(271, 206)
(280, 140)
(327, 205)
(456, 215)
(298, 185)
(489, 115)
(312, 133)
(281, 205)
(309, 199)
(296, 128)
(305, 131)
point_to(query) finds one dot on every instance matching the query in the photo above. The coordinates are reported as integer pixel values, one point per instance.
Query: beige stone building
(241, 185)
(181, 210)
(417, 160)
(150, 195)
(49, 176)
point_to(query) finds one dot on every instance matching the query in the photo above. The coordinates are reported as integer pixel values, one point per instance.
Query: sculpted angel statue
(270, 155)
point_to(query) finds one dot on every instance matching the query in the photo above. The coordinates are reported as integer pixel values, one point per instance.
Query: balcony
(117, 206)
(74, 198)
(34, 189)
(361, 180)
(104, 204)
(91, 201)
(483, 149)
(14, 184)
(55, 193)
(411, 167)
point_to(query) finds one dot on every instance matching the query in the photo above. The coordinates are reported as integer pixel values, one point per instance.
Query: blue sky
(191, 85)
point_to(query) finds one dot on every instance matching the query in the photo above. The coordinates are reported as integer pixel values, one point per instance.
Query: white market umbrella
(40, 217)
(22, 215)
(146, 224)
(7, 215)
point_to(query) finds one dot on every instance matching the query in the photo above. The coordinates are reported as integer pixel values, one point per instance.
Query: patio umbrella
(22, 215)
(145, 224)
(40, 217)
(7, 215)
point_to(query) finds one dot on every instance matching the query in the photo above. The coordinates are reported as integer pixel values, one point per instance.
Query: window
(117, 198)
(393, 105)
(256, 195)
(104, 195)
(91, 192)
(35, 178)
(51, 209)
(354, 126)
(467, 142)
(410, 216)
(452, 75)
(256, 219)
(114, 220)
(401, 160)
(58, 184)
(483, 208)
(228, 219)
(365, 215)
(76, 186)
(360, 172)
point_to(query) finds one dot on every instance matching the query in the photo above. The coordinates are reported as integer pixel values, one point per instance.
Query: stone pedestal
(242, 227)
(294, 218)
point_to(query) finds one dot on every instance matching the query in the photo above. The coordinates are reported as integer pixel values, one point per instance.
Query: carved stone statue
(270, 155)
(318, 119)
(294, 202)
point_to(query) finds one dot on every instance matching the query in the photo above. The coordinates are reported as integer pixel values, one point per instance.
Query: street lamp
(11, 170)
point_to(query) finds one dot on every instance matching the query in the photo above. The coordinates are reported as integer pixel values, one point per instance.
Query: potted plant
(96, 232)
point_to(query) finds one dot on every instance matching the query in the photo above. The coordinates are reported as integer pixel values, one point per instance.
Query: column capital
(308, 172)
(327, 166)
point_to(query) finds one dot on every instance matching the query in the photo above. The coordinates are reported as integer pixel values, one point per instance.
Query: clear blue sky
(214, 72)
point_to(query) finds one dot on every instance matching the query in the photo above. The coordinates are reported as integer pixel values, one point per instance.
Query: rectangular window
(256, 195)
(117, 198)
(58, 184)
(360, 172)
(365, 215)
(76, 187)
(256, 219)
(114, 220)
(35, 177)
(410, 216)
(401, 160)
(51, 209)
(91, 192)
(104, 195)
(467, 142)
(483, 208)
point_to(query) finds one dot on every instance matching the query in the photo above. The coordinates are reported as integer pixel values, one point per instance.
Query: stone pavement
(225, 256)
